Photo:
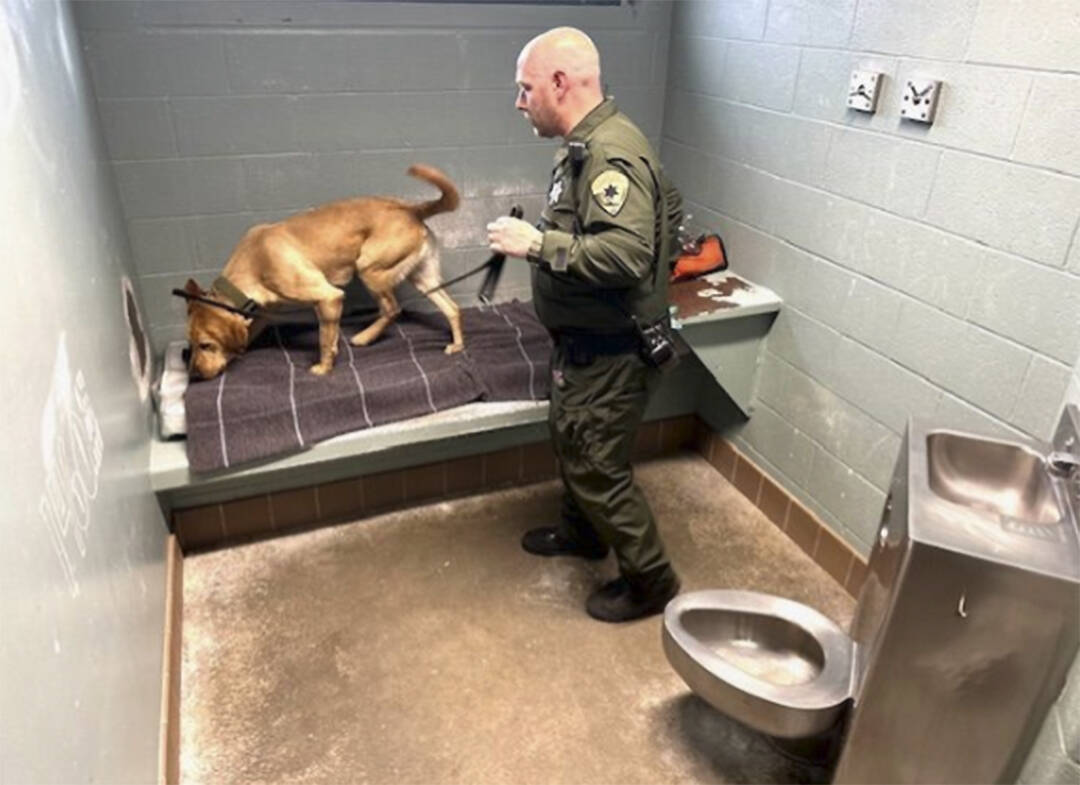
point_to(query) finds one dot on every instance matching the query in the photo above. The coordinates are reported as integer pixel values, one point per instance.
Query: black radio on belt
(657, 344)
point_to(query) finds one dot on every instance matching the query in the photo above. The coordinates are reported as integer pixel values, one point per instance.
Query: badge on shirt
(610, 189)
(556, 192)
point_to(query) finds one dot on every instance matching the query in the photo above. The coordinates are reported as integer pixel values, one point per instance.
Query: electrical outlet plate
(920, 100)
(863, 90)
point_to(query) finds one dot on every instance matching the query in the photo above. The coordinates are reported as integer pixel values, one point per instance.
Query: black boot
(547, 541)
(627, 599)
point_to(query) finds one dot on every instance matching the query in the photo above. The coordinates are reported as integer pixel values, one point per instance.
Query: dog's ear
(192, 288)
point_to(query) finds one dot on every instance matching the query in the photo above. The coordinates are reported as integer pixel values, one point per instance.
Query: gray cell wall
(927, 271)
(218, 115)
(81, 567)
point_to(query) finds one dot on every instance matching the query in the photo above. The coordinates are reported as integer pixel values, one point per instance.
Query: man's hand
(513, 237)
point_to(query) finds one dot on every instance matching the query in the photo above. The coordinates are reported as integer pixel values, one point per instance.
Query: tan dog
(307, 256)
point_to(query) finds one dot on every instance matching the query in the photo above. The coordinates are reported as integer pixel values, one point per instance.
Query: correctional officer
(599, 259)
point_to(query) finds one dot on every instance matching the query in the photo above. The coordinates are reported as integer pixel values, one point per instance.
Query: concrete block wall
(925, 270)
(931, 271)
(219, 115)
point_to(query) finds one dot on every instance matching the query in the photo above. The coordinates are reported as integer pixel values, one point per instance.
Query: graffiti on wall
(72, 451)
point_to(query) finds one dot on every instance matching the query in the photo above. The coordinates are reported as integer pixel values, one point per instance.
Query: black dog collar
(242, 304)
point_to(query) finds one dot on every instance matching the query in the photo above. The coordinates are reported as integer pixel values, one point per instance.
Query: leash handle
(495, 267)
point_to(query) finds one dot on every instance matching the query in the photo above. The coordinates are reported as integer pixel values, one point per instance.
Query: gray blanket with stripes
(267, 403)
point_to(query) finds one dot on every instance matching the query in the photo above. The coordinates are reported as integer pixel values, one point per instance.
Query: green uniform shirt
(593, 272)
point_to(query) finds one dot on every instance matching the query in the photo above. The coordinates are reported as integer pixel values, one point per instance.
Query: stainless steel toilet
(962, 635)
(775, 664)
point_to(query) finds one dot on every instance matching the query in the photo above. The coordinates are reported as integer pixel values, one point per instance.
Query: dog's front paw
(321, 369)
(453, 348)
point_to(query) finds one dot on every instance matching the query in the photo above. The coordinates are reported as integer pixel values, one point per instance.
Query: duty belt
(583, 348)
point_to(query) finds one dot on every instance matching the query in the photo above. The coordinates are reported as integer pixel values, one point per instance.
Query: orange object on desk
(709, 259)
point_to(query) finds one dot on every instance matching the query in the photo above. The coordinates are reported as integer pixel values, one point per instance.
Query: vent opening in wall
(138, 343)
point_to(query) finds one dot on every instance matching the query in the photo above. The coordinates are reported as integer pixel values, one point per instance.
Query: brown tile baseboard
(240, 520)
(169, 731)
(808, 532)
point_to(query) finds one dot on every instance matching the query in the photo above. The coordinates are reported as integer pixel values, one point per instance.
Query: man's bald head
(565, 49)
(558, 75)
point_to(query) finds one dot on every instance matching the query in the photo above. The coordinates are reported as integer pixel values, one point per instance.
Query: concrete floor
(425, 646)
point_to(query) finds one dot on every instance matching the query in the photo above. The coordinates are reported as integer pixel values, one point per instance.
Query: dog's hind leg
(388, 312)
(453, 315)
(425, 278)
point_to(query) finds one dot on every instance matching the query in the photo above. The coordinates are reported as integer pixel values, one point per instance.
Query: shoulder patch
(610, 189)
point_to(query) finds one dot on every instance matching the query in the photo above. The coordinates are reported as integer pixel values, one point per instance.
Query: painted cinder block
(881, 171)
(884, 389)
(777, 440)
(137, 128)
(976, 365)
(1014, 208)
(810, 22)
(1040, 397)
(834, 423)
(297, 62)
(234, 125)
(915, 28)
(1047, 134)
(744, 19)
(1028, 302)
(1030, 35)
(696, 64)
(760, 74)
(155, 65)
(161, 245)
(852, 499)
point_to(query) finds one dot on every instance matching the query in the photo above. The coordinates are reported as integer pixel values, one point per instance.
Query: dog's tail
(445, 203)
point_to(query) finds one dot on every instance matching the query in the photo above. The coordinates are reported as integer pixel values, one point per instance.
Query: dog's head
(215, 335)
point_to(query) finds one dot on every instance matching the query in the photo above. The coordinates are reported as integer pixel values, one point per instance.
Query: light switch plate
(863, 90)
(920, 100)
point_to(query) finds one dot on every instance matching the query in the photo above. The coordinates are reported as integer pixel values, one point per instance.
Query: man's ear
(560, 82)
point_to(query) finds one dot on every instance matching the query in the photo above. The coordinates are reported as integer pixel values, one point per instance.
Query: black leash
(494, 266)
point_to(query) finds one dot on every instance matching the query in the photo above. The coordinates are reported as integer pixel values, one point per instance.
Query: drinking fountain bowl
(996, 477)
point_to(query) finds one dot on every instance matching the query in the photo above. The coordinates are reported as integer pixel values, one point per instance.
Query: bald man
(600, 258)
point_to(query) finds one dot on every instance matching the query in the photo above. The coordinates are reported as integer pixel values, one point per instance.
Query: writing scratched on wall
(72, 451)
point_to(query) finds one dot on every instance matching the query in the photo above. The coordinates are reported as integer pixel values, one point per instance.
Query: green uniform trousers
(594, 416)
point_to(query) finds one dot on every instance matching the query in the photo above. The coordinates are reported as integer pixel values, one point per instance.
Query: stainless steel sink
(969, 617)
(994, 497)
(999, 478)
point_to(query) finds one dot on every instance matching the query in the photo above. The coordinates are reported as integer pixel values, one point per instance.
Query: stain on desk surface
(701, 296)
